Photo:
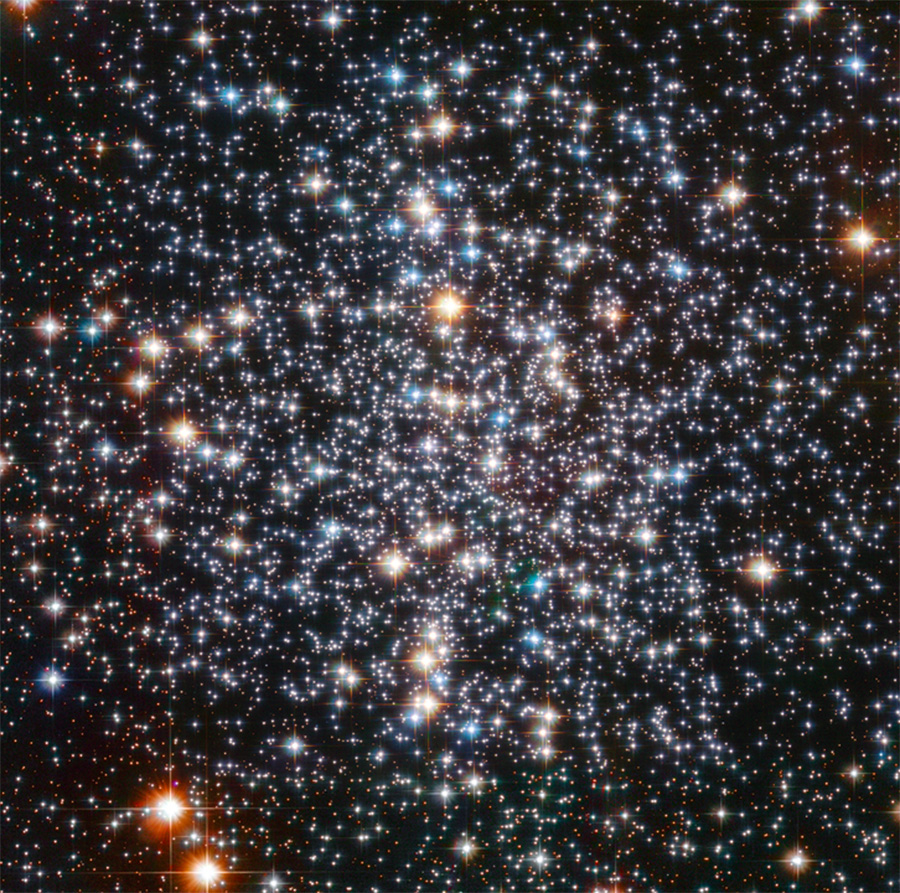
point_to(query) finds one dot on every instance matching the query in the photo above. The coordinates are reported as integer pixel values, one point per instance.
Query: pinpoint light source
(733, 194)
(153, 347)
(862, 238)
(168, 807)
(762, 570)
(449, 305)
(184, 432)
(49, 326)
(810, 8)
(426, 660)
(394, 564)
(425, 705)
(140, 382)
(442, 126)
(205, 871)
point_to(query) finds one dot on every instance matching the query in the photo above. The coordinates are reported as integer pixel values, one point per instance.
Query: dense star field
(450, 447)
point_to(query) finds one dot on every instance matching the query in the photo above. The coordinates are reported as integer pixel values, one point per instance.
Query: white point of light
(395, 563)
(763, 570)
(184, 432)
(169, 807)
(449, 306)
(206, 872)
(863, 238)
(734, 195)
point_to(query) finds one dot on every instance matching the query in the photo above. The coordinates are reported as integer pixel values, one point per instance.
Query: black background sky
(449, 446)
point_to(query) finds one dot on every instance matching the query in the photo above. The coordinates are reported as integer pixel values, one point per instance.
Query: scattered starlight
(450, 447)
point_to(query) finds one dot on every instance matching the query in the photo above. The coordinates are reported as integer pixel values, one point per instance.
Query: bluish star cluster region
(450, 446)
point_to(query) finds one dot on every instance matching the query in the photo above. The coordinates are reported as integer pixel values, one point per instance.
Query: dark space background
(449, 446)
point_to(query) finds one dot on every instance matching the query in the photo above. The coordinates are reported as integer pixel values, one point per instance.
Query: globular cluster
(450, 446)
